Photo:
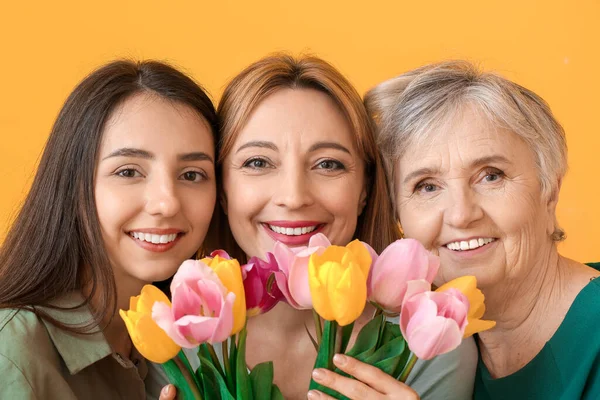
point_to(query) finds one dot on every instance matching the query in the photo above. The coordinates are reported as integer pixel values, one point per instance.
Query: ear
(551, 204)
(363, 201)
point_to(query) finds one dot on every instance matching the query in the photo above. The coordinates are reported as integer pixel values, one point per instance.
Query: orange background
(552, 47)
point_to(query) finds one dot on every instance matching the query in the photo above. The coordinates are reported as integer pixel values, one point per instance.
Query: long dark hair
(56, 233)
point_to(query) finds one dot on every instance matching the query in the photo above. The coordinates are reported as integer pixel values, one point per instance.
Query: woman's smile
(293, 233)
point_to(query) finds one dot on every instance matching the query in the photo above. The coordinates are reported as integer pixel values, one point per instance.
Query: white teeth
(469, 245)
(152, 238)
(292, 231)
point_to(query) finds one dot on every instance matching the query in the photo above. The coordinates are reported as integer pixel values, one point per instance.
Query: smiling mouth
(154, 238)
(471, 244)
(293, 231)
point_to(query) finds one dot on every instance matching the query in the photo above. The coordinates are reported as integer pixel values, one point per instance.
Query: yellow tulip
(338, 282)
(230, 274)
(150, 340)
(468, 286)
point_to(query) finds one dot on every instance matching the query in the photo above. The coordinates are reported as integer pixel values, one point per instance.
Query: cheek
(115, 206)
(200, 207)
(419, 224)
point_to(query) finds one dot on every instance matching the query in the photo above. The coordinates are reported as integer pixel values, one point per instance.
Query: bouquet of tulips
(212, 297)
(337, 282)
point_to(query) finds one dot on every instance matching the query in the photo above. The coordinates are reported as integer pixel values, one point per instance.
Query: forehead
(149, 121)
(302, 115)
(461, 138)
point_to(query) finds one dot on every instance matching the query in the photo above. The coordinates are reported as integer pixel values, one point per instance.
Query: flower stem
(215, 359)
(318, 327)
(409, 366)
(228, 375)
(179, 376)
(377, 313)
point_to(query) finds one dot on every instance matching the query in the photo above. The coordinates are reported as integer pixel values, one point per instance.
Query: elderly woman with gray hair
(476, 163)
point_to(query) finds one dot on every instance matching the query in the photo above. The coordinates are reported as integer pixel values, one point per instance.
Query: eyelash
(338, 166)
(247, 163)
(488, 172)
(137, 174)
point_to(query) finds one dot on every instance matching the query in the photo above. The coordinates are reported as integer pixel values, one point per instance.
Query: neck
(527, 309)
(530, 292)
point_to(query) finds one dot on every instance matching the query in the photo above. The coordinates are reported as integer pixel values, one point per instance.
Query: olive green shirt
(41, 361)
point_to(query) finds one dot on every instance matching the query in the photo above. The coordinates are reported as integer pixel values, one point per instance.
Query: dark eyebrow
(196, 156)
(138, 153)
(478, 162)
(328, 145)
(258, 143)
(130, 152)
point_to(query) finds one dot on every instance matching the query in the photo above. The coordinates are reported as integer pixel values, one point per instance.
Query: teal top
(567, 367)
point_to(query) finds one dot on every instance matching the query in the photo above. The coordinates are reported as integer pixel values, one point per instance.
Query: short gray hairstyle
(407, 109)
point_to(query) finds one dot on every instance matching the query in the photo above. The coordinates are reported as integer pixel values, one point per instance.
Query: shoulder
(24, 344)
(450, 376)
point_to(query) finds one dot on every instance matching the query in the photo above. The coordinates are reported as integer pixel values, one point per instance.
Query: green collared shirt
(41, 361)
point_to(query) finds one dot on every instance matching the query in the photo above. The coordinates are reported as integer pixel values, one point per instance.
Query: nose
(293, 189)
(463, 208)
(161, 197)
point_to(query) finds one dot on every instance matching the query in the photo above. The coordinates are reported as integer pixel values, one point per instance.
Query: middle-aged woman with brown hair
(476, 164)
(297, 157)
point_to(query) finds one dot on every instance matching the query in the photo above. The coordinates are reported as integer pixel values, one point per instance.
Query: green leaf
(325, 354)
(213, 383)
(242, 379)
(345, 338)
(390, 332)
(261, 377)
(276, 393)
(389, 356)
(366, 341)
(176, 377)
(181, 355)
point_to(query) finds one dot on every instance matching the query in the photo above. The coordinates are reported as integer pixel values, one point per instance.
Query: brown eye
(331, 165)
(256, 163)
(193, 176)
(128, 173)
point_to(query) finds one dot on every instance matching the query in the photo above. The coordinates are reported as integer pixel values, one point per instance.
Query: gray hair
(407, 109)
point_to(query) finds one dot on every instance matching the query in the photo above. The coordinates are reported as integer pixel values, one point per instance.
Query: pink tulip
(433, 323)
(256, 276)
(202, 307)
(220, 253)
(402, 261)
(292, 277)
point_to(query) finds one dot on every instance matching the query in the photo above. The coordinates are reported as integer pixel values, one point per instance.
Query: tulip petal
(361, 254)
(319, 240)
(284, 257)
(350, 295)
(282, 283)
(163, 316)
(477, 325)
(153, 343)
(298, 283)
(434, 336)
(187, 301)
